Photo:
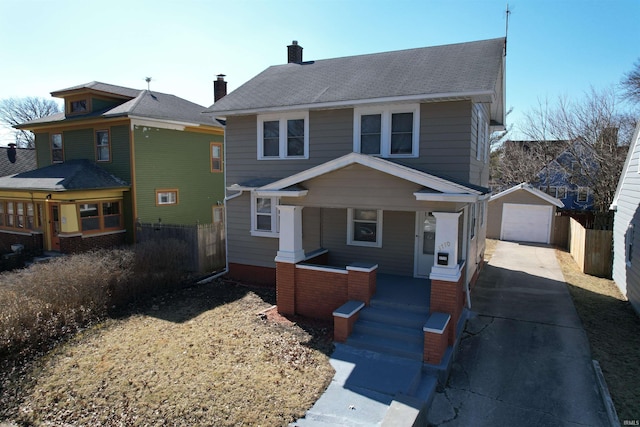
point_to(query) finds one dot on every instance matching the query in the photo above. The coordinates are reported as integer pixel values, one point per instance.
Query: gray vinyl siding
(243, 248)
(445, 150)
(627, 276)
(357, 186)
(445, 144)
(396, 256)
(330, 136)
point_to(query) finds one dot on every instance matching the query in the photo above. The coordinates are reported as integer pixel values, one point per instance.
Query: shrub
(48, 300)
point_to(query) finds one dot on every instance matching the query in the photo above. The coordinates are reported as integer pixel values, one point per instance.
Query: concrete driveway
(524, 358)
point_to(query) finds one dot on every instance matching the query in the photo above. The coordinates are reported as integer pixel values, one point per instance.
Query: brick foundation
(286, 289)
(33, 243)
(256, 275)
(77, 243)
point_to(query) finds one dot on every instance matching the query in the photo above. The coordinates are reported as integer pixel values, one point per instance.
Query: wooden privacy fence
(591, 249)
(206, 242)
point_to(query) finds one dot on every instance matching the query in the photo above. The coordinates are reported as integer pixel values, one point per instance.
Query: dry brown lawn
(212, 355)
(613, 329)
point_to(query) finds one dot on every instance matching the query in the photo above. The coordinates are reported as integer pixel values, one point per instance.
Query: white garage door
(526, 223)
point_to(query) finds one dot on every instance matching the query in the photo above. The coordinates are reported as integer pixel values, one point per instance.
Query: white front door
(425, 243)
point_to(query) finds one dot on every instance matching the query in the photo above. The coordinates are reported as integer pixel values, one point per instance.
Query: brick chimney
(219, 88)
(294, 53)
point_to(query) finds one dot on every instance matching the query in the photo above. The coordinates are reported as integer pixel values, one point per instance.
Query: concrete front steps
(380, 378)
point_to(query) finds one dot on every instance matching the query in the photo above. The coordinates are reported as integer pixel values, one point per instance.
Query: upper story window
(553, 191)
(216, 157)
(264, 216)
(284, 136)
(79, 106)
(103, 146)
(57, 153)
(387, 131)
(482, 134)
(166, 197)
(583, 194)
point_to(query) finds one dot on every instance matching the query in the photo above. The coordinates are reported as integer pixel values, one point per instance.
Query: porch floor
(410, 292)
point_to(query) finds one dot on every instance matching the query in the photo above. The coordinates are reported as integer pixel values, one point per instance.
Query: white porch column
(290, 249)
(445, 264)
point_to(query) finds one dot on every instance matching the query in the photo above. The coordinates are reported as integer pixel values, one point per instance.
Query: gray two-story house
(341, 172)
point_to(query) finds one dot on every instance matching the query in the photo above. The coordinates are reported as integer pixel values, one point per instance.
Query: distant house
(15, 160)
(370, 165)
(562, 177)
(626, 240)
(115, 157)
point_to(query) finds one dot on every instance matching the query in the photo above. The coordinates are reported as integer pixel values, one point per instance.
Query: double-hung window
(166, 197)
(387, 131)
(216, 157)
(583, 194)
(264, 216)
(284, 136)
(482, 134)
(364, 227)
(57, 153)
(103, 147)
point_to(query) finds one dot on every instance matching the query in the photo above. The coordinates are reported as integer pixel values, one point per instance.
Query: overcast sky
(555, 47)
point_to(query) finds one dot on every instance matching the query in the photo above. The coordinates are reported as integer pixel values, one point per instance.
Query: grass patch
(207, 355)
(612, 327)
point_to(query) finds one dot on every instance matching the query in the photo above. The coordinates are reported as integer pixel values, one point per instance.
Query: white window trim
(351, 242)
(385, 137)
(275, 223)
(282, 119)
(482, 135)
(586, 197)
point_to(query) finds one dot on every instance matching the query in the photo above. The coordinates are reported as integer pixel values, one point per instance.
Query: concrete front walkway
(524, 358)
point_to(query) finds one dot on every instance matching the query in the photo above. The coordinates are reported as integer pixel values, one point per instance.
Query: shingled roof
(25, 161)
(136, 103)
(79, 174)
(455, 71)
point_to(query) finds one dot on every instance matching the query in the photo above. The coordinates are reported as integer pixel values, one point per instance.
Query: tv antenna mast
(506, 30)
(148, 80)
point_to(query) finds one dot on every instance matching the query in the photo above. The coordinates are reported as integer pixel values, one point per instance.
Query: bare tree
(15, 111)
(596, 134)
(631, 84)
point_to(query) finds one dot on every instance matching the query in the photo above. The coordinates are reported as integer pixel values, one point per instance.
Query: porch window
(264, 217)
(364, 227)
(57, 153)
(100, 216)
(387, 132)
(103, 146)
(283, 136)
(18, 215)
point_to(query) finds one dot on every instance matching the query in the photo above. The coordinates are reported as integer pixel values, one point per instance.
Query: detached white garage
(523, 214)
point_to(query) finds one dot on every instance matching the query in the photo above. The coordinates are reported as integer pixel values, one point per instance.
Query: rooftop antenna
(506, 30)
(148, 80)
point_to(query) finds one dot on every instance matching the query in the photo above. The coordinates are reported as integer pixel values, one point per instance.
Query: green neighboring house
(114, 159)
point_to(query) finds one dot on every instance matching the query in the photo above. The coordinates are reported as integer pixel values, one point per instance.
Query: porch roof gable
(439, 184)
